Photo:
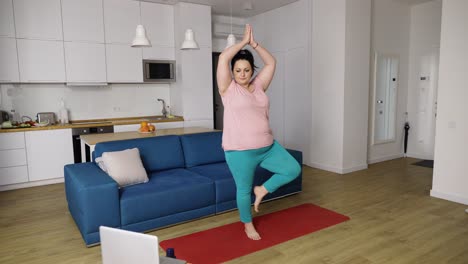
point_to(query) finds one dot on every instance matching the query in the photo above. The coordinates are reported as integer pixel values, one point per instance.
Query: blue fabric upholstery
(192, 191)
(224, 182)
(188, 179)
(157, 153)
(93, 199)
(202, 148)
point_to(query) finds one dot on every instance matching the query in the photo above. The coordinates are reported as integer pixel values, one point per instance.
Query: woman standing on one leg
(247, 137)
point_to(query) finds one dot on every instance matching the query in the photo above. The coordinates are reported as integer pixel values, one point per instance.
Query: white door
(427, 102)
(434, 80)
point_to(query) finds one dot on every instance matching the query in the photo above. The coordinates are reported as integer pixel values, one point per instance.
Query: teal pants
(243, 163)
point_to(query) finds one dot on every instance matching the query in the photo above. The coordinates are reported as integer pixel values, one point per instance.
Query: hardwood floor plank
(393, 220)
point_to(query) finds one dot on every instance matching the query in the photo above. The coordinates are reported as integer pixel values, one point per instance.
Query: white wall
(356, 85)
(340, 70)
(390, 35)
(86, 102)
(450, 179)
(328, 57)
(289, 92)
(424, 41)
(221, 27)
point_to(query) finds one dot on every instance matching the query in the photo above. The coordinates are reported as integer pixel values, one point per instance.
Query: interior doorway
(218, 108)
(428, 85)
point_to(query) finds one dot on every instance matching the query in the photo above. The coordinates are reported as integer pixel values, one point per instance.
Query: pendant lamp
(140, 40)
(231, 39)
(189, 42)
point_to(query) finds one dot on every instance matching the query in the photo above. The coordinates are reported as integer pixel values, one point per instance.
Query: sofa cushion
(202, 148)
(222, 177)
(157, 153)
(224, 182)
(125, 167)
(167, 192)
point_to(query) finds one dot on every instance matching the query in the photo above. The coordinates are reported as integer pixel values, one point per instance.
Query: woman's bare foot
(251, 231)
(260, 192)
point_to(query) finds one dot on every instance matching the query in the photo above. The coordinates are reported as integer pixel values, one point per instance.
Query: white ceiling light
(140, 40)
(189, 42)
(231, 39)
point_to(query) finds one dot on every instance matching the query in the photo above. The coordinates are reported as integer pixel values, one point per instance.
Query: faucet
(164, 111)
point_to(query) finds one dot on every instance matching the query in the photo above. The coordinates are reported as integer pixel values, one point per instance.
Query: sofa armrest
(93, 198)
(296, 154)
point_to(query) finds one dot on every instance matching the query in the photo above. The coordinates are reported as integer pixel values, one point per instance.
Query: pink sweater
(246, 123)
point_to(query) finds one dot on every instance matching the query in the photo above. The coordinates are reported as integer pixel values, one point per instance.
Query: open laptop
(126, 247)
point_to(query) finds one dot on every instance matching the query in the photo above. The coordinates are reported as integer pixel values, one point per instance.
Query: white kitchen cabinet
(38, 19)
(198, 18)
(193, 92)
(11, 141)
(169, 125)
(48, 151)
(158, 53)
(120, 20)
(7, 24)
(13, 162)
(41, 61)
(85, 62)
(124, 63)
(83, 20)
(9, 63)
(158, 20)
(126, 128)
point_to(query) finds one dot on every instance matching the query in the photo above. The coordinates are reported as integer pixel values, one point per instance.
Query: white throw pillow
(101, 164)
(125, 167)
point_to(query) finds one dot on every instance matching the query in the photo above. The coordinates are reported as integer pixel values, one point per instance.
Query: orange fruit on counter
(144, 129)
(151, 128)
(143, 124)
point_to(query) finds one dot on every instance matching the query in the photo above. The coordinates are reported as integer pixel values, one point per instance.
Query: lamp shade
(140, 39)
(231, 40)
(189, 42)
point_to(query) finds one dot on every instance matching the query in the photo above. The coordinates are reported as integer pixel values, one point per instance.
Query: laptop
(126, 247)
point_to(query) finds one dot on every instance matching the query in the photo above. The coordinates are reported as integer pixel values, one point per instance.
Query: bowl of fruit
(146, 127)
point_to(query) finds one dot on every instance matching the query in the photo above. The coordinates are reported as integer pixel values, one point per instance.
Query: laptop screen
(124, 247)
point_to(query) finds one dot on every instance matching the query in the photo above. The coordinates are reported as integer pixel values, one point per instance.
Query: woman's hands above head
(247, 34)
(252, 41)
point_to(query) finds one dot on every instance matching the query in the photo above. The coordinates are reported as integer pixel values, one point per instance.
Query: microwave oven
(159, 71)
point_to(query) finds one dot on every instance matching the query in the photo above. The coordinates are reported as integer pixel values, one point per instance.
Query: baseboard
(385, 158)
(30, 184)
(355, 168)
(336, 169)
(419, 156)
(324, 167)
(450, 197)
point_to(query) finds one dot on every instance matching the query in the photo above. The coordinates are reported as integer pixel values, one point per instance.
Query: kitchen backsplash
(86, 102)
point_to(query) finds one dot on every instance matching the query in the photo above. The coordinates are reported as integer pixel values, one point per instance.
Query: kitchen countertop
(99, 122)
(93, 139)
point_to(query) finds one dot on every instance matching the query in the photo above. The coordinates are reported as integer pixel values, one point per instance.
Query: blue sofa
(188, 179)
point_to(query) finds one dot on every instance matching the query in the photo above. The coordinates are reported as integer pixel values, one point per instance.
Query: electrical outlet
(116, 108)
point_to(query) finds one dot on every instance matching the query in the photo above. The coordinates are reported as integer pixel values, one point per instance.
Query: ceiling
(222, 7)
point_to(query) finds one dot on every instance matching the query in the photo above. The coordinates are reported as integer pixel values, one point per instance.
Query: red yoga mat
(227, 242)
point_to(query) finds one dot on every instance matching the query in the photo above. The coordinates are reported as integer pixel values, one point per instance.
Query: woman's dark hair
(244, 55)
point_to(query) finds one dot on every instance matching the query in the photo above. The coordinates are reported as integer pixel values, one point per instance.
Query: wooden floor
(393, 220)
